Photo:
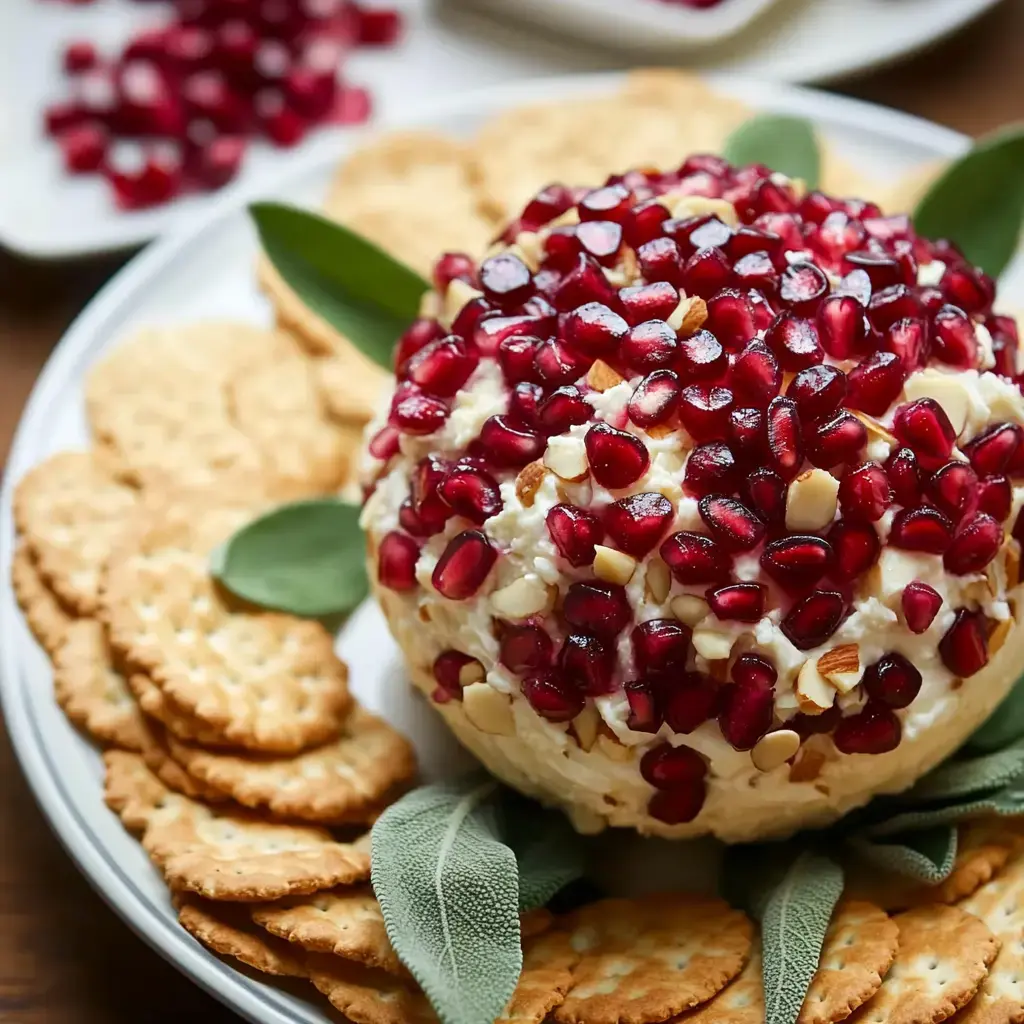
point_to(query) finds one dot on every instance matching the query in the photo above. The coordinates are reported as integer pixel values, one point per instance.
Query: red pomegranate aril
(378, 26)
(448, 667)
(60, 117)
(1005, 344)
(802, 287)
(668, 767)
(875, 730)
(516, 355)
(731, 523)
(574, 531)
(730, 318)
(857, 285)
(660, 647)
(655, 399)
(584, 283)
(651, 345)
(602, 239)
(707, 271)
(764, 312)
(786, 226)
(995, 497)
(956, 342)
(654, 301)
(612, 202)
(756, 375)
(695, 558)
(704, 411)
(80, 56)
(746, 433)
(703, 232)
(908, 338)
(84, 147)
(921, 529)
(924, 426)
(874, 384)
(310, 92)
(815, 725)
(588, 663)
(637, 523)
(921, 603)
(451, 266)
(797, 561)
(752, 242)
(644, 710)
(711, 469)
(855, 547)
(882, 269)
(282, 125)
(660, 260)
(508, 445)
(953, 487)
(414, 412)
(756, 270)
(818, 390)
(464, 565)
(525, 648)
(745, 713)
(752, 670)
(738, 602)
(471, 493)
(814, 618)
(865, 493)
(489, 330)
(552, 696)
(794, 341)
(975, 544)
(968, 288)
(442, 367)
(565, 407)
(842, 326)
(891, 304)
(690, 702)
(549, 203)
(678, 806)
(905, 477)
(761, 195)
(964, 648)
(598, 608)
(617, 459)
(643, 222)
(396, 561)
(594, 329)
(418, 335)
(218, 161)
(785, 439)
(992, 451)
(765, 491)
(892, 681)
(837, 440)
(505, 279)
(701, 356)
(385, 443)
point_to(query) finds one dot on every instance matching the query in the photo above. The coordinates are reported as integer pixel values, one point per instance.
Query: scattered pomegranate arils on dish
(565, 407)
(612, 202)
(731, 318)
(516, 354)
(690, 702)
(974, 545)
(668, 767)
(745, 712)
(856, 548)
(797, 561)
(556, 363)
(842, 326)
(995, 497)
(680, 805)
(747, 241)
(701, 356)
(968, 288)
(644, 710)
(814, 618)
(524, 404)
(651, 345)
(897, 302)
(875, 730)
(636, 524)
(994, 450)
(964, 648)
(921, 603)
(472, 493)
(505, 279)
(756, 375)
(617, 459)
(840, 439)
(654, 301)
(711, 469)
(396, 561)
(909, 339)
(602, 239)
(655, 399)
(864, 492)
(695, 558)
(802, 287)
(660, 260)
(84, 147)
(588, 663)
(953, 487)
(785, 438)
(442, 367)
(794, 341)
(524, 648)
(703, 410)
(905, 477)
(574, 531)
(595, 329)
(507, 445)
(817, 390)
(598, 608)
(584, 283)
(921, 529)
(643, 222)
(417, 336)
(765, 492)
(756, 270)
(874, 384)
(746, 434)
(414, 412)
(463, 565)
(892, 681)
(552, 696)
(451, 266)
(696, 233)
(737, 602)
(924, 426)
(731, 523)
(882, 270)
(707, 271)
(660, 646)
(549, 203)
(956, 341)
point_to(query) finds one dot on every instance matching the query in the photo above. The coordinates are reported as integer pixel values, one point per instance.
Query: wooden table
(64, 956)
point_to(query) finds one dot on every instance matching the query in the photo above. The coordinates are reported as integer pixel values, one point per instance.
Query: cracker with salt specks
(944, 955)
(859, 948)
(651, 958)
(740, 1002)
(263, 681)
(46, 616)
(131, 790)
(92, 693)
(154, 703)
(228, 931)
(548, 960)
(1000, 904)
(157, 756)
(71, 511)
(344, 780)
(367, 996)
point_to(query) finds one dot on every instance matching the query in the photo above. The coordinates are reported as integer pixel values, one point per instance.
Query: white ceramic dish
(205, 269)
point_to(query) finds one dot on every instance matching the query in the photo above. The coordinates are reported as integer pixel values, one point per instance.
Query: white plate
(205, 270)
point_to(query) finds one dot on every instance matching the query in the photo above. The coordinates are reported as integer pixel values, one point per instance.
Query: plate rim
(63, 370)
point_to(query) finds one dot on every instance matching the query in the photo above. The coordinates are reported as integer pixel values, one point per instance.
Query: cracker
(351, 395)
(343, 781)
(651, 958)
(71, 511)
(46, 616)
(261, 680)
(176, 722)
(547, 975)
(740, 1002)
(367, 996)
(859, 948)
(535, 922)
(90, 690)
(228, 931)
(234, 855)
(157, 756)
(131, 790)
(944, 955)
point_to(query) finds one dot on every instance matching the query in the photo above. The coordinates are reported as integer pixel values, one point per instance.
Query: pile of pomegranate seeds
(175, 110)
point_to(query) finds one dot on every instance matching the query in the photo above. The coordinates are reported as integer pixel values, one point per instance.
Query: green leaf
(978, 201)
(926, 856)
(307, 558)
(449, 893)
(969, 776)
(1008, 802)
(351, 283)
(785, 144)
(796, 916)
(1004, 725)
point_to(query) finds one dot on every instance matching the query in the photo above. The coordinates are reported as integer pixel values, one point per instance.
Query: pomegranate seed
(505, 279)
(595, 330)
(598, 608)
(921, 603)
(968, 288)
(739, 602)
(612, 202)
(706, 272)
(731, 318)
(384, 444)
(836, 237)
(516, 355)
(752, 242)
(574, 532)
(904, 476)
(690, 703)
(448, 668)
(680, 805)
(754, 670)
(924, 426)
(794, 342)
(746, 433)
(549, 203)
(695, 558)
(892, 681)
(756, 375)
(463, 566)
(974, 545)
(748, 702)
(842, 326)
(797, 561)
(875, 730)
(815, 725)
(636, 524)
(617, 459)
(282, 125)
(704, 411)
(784, 225)
(660, 260)
(489, 332)
(643, 222)
(731, 523)
(660, 646)
(864, 492)
(552, 696)
(471, 493)
(654, 301)
(802, 287)
(756, 270)
(785, 440)
(218, 161)
(698, 233)
(956, 342)
(891, 304)
(644, 712)
(655, 399)
(992, 451)
(838, 440)
(84, 147)
(882, 270)
(874, 384)
(649, 346)
(764, 313)
(995, 497)
(710, 469)
(396, 561)
(442, 367)
(584, 283)
(602, 239)
(814, 618)
(555, 363)
(414, 412)
(817, 390)
(524, 403)
(508, 445)
(766, 493)
(418, 334)
(379, 26)
(908, 339)
(856, 548)
(701, 356)
(953, 487)
(921, 529)
(668, 767)
(1005, 344)
(452, 266)
(565, 407)
(524, 648)
(588, 663)
(80, 56)
(964, 648)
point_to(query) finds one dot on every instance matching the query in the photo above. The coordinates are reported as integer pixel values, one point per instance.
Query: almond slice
(566, 457)
(528, 595)
(812, 501)
(612, 565)
(814, 693)
(712, 645)
(489, 710)
(601, 376)
(841, 667)
(689, 608)
(999, 635)
(659, 581)
(529, 481)
(689, 315)
(807, 765)
(874, 428)
(585, 726)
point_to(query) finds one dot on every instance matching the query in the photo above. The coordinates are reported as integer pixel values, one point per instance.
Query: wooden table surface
(65, 958)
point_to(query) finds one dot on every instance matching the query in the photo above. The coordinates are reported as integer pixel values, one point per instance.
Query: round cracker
(131, 790)
(47, 618)
(740, 1002)
(365, 996)
(154, 703)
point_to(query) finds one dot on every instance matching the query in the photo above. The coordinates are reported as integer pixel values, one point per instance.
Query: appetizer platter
(683, 466)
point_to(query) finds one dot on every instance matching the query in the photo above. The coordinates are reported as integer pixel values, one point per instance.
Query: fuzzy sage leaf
(307, 558)
(1004, 726)
(785, 144)
(969, 776)
(1007, 802)
(926, 856)
(348, 281)
(978, 201)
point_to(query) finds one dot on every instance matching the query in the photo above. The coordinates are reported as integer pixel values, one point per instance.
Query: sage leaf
(549, 852)
(307, 558)
(448, 890)
(355, 286)
(785, 144)
(978, 201)
(1007, 802)
(926, 856)
(796, 916)
(1004, 725)
(968, 776)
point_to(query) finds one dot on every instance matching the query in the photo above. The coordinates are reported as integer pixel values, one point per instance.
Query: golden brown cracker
(229, 931)
(352, 397)
(46, 616)
(944, 955)
(740, 1002)
(155, 752)
(71, 510)
(367, 996)
(154, 703)
(92, 693)
(535, 922)
(548, 960)
(342, 781)
(651, 958)
(131, 790)
(859, 948)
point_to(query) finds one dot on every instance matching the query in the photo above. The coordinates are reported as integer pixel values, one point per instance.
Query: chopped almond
(841, 667)
(659, 581)
(601, 376)
(1000, 634)
(814, 693)
(689, 315)
(612, 565)
(529, 481)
